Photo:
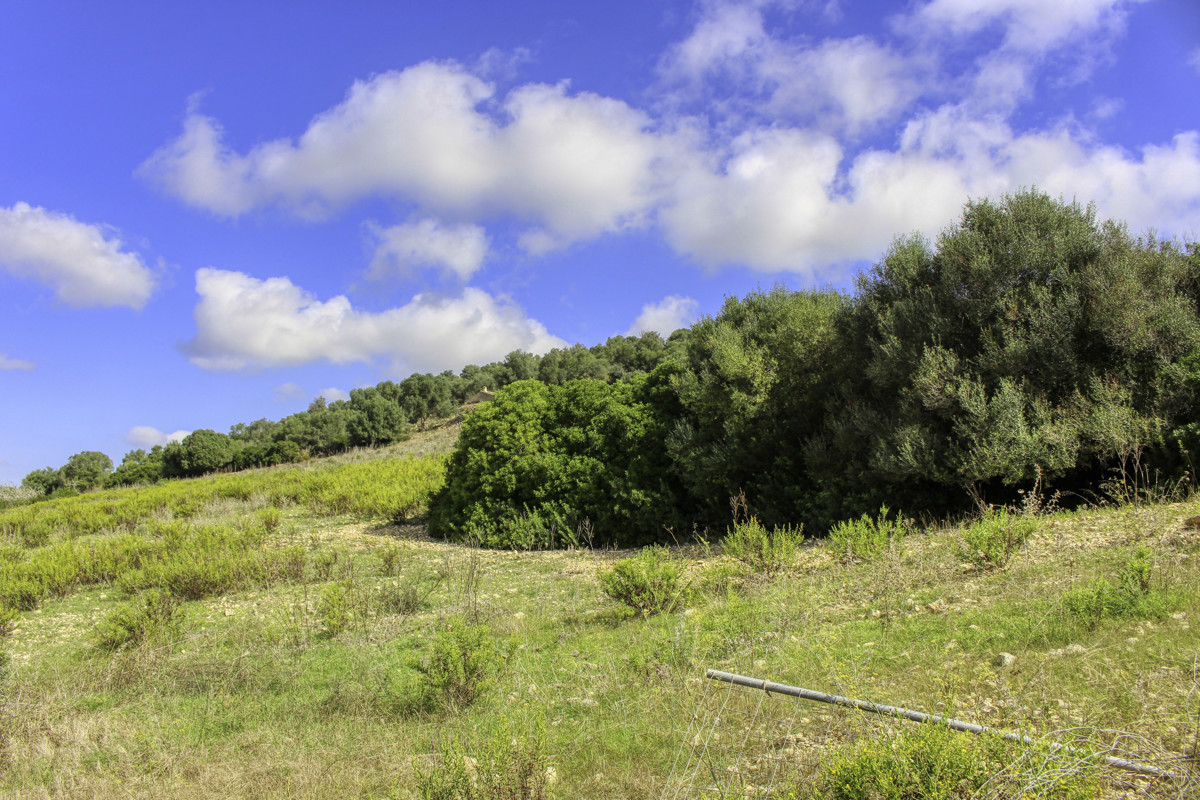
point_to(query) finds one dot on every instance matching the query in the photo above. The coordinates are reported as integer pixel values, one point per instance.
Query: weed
(763, 551)
(865, 538)
(992, 541)
(389, 559)
(324, 562)
(649, 583)
(407, 594)
(271, 519)
(153, 616)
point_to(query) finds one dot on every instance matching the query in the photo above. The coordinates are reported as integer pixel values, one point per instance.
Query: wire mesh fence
(743, 743)
(754, 739)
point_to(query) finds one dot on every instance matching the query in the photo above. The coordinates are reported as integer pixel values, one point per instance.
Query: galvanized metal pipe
(916, 716)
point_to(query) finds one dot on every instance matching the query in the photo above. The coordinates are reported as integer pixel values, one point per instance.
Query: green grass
(384, 661)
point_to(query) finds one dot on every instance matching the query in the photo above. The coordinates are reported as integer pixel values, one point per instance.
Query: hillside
(294, 633)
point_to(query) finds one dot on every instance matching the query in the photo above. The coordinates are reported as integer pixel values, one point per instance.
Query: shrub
(512, 766)
(864, 539)
(407, 594)
(649, 583)
(462, 665)
(335, 608)
(1131, 596)
(764, 551)
(992, 541)
(8, 620)
(153, 616)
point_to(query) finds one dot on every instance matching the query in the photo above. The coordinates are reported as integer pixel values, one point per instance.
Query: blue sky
(213, 212)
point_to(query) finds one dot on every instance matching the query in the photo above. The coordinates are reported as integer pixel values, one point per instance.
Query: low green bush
(1131, 596)
(8, 620)
(992, 541)
(462, 665)
(864, 539)
(153, 616)
(650, 583)
(763, 550)
(511, 766)
(335, 608)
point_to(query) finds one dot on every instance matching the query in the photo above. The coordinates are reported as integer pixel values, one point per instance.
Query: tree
(374, 420)
(85, 470)
(203, 451)
(44, 480)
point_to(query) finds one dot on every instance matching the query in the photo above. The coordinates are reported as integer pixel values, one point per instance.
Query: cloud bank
(246, 323)
(665, 317)
(778, 151)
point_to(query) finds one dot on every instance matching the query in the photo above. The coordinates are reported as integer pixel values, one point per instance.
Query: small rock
(1070, 650)
(760, 663)
(229, 612)
(1192, 522)
(519, 615)
(551, 776)
(1004, 660)
(1131, 640)
(937, 606)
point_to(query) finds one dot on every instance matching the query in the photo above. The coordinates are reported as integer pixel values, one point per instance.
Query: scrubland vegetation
(269, 641)
(966, 489)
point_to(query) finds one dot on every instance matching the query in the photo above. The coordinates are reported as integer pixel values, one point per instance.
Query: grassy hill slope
(289, 634)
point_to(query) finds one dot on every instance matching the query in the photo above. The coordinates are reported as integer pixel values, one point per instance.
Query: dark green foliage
(44, 480)
(200, 452)
(759, 378)
(650, 583)
(373, 419)
(138, 468)
(85, 470)
(536, 463)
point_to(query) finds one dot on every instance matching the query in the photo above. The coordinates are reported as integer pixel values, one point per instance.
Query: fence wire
(742, 742)
(746, 743)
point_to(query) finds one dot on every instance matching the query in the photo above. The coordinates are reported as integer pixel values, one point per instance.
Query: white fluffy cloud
(403, 249)
(665, 317)
(83, 265)
(333, 393)
(243, 322)
(1029, 25)
(772, 170)
(575, 164)
(145, 437)
(839, 83)
(7, 362)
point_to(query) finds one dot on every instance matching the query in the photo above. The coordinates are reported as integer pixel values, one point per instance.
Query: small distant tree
(374, 420)
(204, 451)
(85, 470)
(44, 480)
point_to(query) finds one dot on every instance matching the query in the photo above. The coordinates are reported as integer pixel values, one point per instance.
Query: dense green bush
(1131, 595)
(538, 462)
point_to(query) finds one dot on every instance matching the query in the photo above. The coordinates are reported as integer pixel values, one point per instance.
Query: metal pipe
(916, 716)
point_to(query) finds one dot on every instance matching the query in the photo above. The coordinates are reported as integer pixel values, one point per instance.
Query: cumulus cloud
(665, 317)
(1028, 25)
(403, 249)
(243, 323)
(85, 266)
(333, 394)
(576, 164)
(838, 83)
(7, 362)
(145, 436)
